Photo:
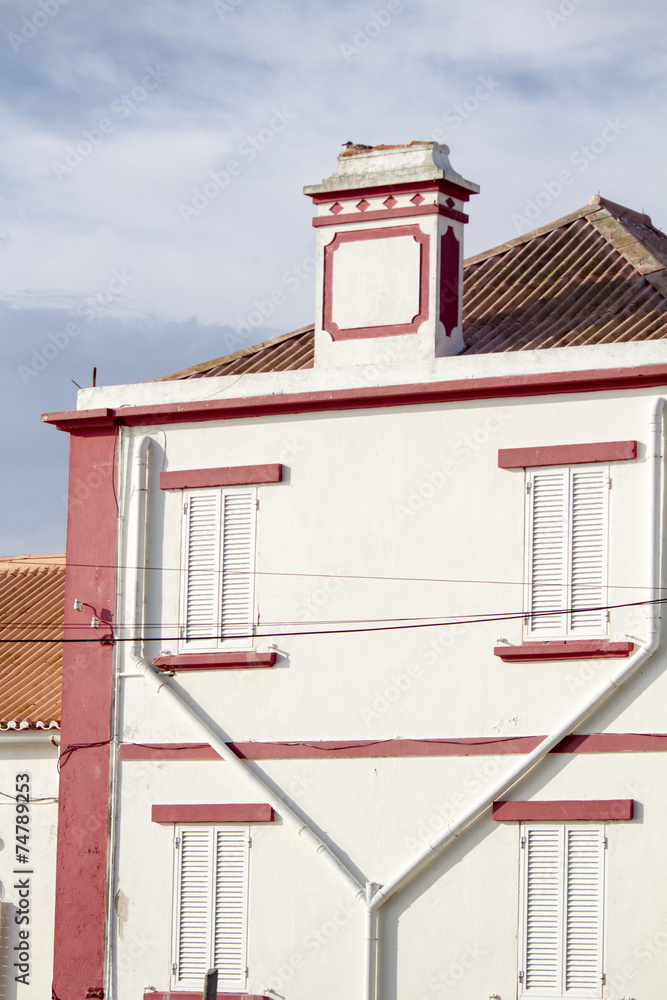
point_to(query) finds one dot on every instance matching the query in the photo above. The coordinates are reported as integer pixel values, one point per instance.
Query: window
(566, 555)
(210, 905)
(561, 919)
(217, 587)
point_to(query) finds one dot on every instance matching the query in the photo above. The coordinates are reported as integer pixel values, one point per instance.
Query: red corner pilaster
(86, 710)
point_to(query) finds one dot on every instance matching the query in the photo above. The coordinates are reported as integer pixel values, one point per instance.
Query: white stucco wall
(19, 755)
(392, 514)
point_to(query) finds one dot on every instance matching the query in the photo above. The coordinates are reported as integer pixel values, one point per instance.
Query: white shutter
(547, 551)
(231, 904)
(562, 900)
(566, 556)
(542, 911)
(200, 600)
(193, 905)
(211, 903)
(590, 493)
(217, 592)
(238, 551)
(583, 904)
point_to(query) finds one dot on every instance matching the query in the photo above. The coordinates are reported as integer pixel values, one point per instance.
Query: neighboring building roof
(596, 276)
(32, 596)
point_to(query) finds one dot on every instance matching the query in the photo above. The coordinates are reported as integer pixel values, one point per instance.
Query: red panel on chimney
(449, 281)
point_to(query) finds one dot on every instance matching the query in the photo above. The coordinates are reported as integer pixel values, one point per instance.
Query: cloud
(350, 70)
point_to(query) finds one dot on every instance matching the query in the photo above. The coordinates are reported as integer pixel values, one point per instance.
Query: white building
(376, 708)
(31, 603)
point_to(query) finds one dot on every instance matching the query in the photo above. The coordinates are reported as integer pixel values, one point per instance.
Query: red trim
(190, 995)
(79, 932)
(450, 281)
(503, 387)
(389, 213)
(238, 475)
(361, 235)
(447, 187)
(567, 454)
(236, 812)
(167, 751)
(598, 809)
(470, 746)
(613, 743)
(214, 661)
(563, 650)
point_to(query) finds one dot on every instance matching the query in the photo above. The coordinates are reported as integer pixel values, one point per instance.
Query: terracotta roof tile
(595, 276)
(32, 592)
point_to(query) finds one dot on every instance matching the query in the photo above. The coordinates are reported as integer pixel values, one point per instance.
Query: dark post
(211, 985)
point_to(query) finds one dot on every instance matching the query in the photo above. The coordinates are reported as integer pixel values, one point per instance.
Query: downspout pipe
(162, 683)
(138, 478)
(590, 705)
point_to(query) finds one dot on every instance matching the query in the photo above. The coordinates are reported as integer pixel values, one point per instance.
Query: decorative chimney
(389, 255)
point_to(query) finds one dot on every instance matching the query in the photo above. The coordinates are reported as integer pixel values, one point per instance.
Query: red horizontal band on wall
(600, 809)
(581, 650)
(238, 475)
(498, 387)
(471, 746)
(214, 661)
(567, 454)
(236, 812)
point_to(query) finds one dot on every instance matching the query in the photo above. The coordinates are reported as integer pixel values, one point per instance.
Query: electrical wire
(333, 576)
(420, 623)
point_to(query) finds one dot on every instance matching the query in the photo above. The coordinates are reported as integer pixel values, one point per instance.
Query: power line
(333, 576)
(420, 623)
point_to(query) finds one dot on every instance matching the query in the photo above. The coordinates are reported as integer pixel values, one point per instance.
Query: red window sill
(214, 661)
(581, 650)
(196, 995)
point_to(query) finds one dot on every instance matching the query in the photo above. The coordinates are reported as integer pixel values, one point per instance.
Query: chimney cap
(362, 166)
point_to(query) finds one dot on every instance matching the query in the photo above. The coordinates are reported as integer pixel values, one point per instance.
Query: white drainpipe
(574, 720)
(163, 684)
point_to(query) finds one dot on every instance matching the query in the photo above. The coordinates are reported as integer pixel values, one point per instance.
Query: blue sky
(120, 217)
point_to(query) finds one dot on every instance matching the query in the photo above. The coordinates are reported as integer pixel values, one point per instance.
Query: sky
(153, 156)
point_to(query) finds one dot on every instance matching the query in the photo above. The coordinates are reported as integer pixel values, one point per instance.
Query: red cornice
(579, 650)
(564, 811)
(349, 194)
(238, 475)
(389, 214)
(502, 387)
(232, 812)
(214, 661)
(567, 454)
(471, 746)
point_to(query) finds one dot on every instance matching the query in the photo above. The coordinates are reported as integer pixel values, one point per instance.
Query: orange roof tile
(32, 593)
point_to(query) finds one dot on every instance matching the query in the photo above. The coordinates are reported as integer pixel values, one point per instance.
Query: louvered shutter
(547, 551)
(583, 911)
(193, 904)
(542, 911)
(566, 559)
(562, 897)
(217, 593)
(200, 600)
(588, 572)
(210, 925)
(238, 551)
(231, 888)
